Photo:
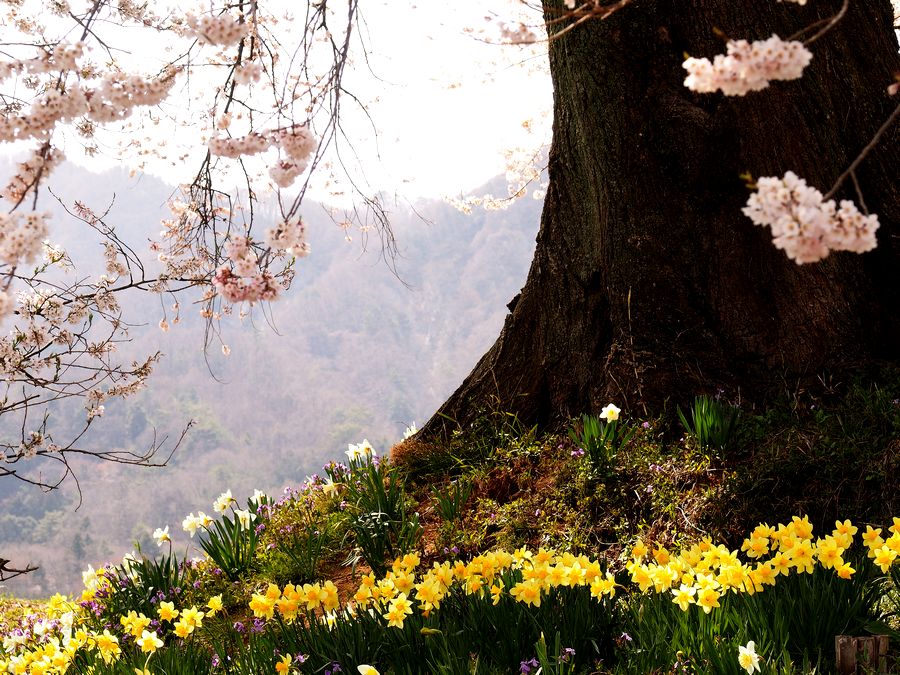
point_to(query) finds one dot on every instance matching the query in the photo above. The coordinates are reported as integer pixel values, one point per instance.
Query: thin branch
(865, 151)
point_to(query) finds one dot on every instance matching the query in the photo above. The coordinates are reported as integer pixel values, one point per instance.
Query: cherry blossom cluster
(114, 266)
(747, 66)
(44, 304)
(804, 224)
(52, 340)
(28, 173)
(46, 319)
(53, 107)
(21, 235)
(112, 100)
(63, 57)
(119, 93)
(235, 289)
(242, 257)
(60, 331)
(223, 30)
(247, 72)
(296, 143)
(251, 144)
(246, 282)
(7, 304)
(289, 236)
(283, 173)
(182, 255)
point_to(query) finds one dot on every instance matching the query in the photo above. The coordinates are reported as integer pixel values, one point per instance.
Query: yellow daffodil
(684, 596)
(829, 552)
(893, 543)
(284, 664)
(263, 605)
(214, 605)
(166, 611)
(872, 537)
(182, 629)
(661, 555)
(640, 575)
(193, 617)
(844, 571)
(884, 558)
(108, 646)
(398, 610)
(528, 592)
(802, 556)
(756, 547)
(289, 603)
(638, 551)
(149, 642)
(708, 599)
(497, 592)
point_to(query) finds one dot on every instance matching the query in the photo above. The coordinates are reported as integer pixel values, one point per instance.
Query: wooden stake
(866, 653)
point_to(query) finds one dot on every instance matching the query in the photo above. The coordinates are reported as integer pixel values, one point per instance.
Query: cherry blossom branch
(7, 572)
(827, 24)
(850, 171)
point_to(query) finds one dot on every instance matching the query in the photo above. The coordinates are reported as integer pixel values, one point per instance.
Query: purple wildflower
(529, 666)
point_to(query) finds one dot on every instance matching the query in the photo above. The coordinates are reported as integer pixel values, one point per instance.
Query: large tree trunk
(648, 284)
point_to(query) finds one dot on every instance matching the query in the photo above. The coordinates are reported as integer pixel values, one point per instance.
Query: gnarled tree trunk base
(648, 284)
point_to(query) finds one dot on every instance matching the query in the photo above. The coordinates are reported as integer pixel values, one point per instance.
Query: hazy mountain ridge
(357, 354)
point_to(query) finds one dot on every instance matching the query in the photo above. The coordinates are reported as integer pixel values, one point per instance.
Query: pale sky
(448, 105)
(454, 103)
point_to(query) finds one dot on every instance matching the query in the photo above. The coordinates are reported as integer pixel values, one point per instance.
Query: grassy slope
(828, 453)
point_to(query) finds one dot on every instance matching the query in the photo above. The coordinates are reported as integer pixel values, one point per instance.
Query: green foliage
(561, 661)
(712, 422)
(190, 657)
(504, 634)
(302, 529)
(449, 504)
(601, 441)
(533, 491)
(303, 545)
(826, 451)
(500, 636)
(381, 522)
(659, 634)
(890, 604)
(804, 613)
(231, 543)
(138, 583)
(492, 430)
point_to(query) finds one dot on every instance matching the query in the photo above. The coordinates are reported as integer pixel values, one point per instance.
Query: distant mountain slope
(357, 354)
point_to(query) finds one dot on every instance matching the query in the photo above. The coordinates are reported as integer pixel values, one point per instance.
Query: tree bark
(648, 284)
